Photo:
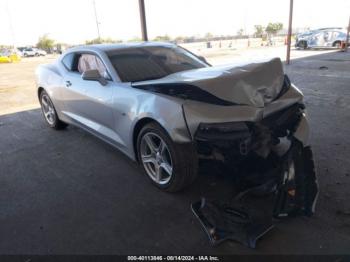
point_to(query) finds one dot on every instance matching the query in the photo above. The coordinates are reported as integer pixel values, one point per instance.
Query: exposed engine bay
(238, 142)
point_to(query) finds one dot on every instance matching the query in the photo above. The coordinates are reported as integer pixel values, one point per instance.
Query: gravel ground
(17, 84)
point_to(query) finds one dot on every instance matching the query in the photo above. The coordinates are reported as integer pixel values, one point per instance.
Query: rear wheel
(49, 112)
(170, 166)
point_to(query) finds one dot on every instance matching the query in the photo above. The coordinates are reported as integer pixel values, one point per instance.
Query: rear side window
(67, 61)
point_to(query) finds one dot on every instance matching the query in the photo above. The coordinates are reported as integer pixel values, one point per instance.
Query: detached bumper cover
(288, 190)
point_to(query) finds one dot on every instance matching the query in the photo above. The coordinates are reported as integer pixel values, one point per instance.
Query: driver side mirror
(94, 75)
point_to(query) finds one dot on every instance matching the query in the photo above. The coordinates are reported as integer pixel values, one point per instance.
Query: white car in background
(321, 38)
(28, 52)
(33, 52)
(39, 52)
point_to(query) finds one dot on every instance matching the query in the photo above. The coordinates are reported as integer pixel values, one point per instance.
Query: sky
(73, 21)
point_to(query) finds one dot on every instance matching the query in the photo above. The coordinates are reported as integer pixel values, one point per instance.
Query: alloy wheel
(156, 158)
(48, 109)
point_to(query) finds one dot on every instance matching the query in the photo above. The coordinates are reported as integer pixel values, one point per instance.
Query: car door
(318, 40)
(73, 90)
(88, 102)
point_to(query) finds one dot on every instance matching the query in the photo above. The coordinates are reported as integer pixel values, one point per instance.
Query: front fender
(302, 131)
(168, 112)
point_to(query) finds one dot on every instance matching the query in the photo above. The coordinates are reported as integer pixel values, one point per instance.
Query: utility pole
(11, 26)
(347, 37)
(143, 20)
(97, 23)
(289, 36)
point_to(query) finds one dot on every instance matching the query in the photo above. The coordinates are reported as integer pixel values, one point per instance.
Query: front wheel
(170, 166)
(303, 44)
(49, 112)
(337, 44)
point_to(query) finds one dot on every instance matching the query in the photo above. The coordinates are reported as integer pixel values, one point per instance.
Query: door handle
(68, 83)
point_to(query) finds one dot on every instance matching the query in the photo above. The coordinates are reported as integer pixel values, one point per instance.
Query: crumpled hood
(254, 84)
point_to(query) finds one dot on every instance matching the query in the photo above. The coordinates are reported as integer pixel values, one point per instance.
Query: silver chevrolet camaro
(167, 108)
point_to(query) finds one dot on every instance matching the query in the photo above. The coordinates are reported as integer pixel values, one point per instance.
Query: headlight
(223, 127)
(227, 130)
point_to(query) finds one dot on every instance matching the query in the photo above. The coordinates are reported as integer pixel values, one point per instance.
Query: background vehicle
(28, 52)
(9, 56)
(39, 52)
(166, 108)
(321, 38)
(4, 58)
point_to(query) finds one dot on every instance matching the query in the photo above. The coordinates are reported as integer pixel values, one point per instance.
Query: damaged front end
(273, 167)
(237, 142)
(253, 120)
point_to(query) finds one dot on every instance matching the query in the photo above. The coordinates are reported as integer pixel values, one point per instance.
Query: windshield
(152, 62)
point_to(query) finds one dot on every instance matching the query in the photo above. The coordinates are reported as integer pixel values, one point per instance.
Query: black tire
(303, 44)
(57, 123)
(183, 157)
(337, 44)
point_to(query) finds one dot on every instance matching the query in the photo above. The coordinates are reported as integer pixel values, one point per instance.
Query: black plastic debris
(247, 217)
(298, 190)
(224, 222)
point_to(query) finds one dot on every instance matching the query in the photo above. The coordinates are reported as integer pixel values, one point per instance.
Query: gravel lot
(17, 84)
(67, 192)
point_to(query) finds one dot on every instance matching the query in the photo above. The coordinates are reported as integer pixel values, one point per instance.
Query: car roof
(330, 28)
(112, 47)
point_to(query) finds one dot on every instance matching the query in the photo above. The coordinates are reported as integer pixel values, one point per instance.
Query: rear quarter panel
(49, 77)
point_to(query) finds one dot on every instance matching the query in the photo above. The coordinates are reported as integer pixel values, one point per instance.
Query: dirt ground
(17, 84)
(69, 193)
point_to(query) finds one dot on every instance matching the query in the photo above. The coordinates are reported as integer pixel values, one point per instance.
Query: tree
(164, 38)
(259, 30)
(135, 39)
(208, 36)
(273, 28)
(100, 40)
(240, 32)
(45, 42)
(180, 39)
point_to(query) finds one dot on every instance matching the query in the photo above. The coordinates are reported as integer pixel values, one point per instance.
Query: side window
(67, 61)
(91, 62)
(335, 34)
